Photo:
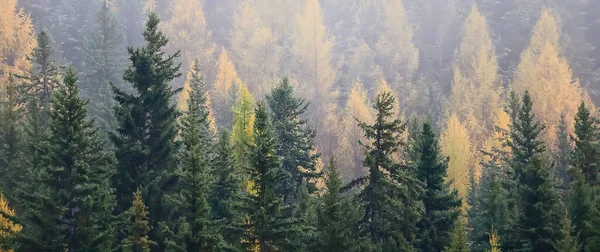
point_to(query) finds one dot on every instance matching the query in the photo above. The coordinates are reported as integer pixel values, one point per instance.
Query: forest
(300, 125)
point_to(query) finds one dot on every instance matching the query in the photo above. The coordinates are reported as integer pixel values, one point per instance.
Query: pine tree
(337, 216)
(539, 222)
(296, 141)
(243, 122)
(567, 242)
(563, 151)
(17, 41)
(147, 126)
(224, 89)
(458, 242)
(195, 180)
(104, 65)
(11, 140)
(586, 154)
(581, 208)
(137, 235)
(267, 227)
(389, 193)
(226, 192)
(195, 78)
(78, 202)
(442, 205)
(8, 227)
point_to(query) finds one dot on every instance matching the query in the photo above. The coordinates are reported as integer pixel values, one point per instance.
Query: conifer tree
(296, 141)
(8, 227)
(581, 208)
(195, 78)
(224, 90)
(563, 151)
(243, 123)
(390, 191)
(104, 59)
(17, 41)
(147, 126)
(442, 205)
(586, 154)
(267, 228)
(76, 215)
(494, 241)
(11, 140)
(337, 216)
(137, 234)
(455, 144)
(226, 194)
(567, 242)
(458, 242)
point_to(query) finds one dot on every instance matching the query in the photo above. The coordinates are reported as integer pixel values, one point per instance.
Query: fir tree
(243, 121)
(337, 216)
(581, 207)
(147, 126)
(104, 65)
(11, 114)
(586, 154)
(267, 227)
(390, 190)
(77, 201)
(458, 242)
(563, 151)
(568, 242)
(137, 234)
(442, 205)
(296, 141)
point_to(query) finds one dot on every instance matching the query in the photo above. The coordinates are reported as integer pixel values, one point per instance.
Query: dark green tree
(296, 141)
(11, 134)
(586, 154)
(73, 211)
(138, 227)
(390, 191)
(442, 205)
(104, 64)
(196, 229)
(268, 228)
(337, 216)
(581, 207)
(568, 242)
(563, 151)
(147, 127)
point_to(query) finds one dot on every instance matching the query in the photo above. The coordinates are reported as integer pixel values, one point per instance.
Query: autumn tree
(17, 41)
(137, 232)
(8, 228)
(456, 145)
(225, 89)
(243, 122)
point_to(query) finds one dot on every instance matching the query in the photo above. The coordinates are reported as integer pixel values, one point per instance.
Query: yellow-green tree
(188, 31)
(184, 95)
(222, 92)
(254, 49)
(456, 145)
(17, 39)
(8, 228)
(351, 153)
(311, 53)
(395, 51)
(475, 89)
(548, 78)
(243, 126)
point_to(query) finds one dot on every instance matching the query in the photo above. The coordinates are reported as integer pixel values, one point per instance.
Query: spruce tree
(563, 151)
(337, 216)
(137, 232)
(11, 140)
(296, 140)
(73, 211)
(196, 230)
(226, 192)
(581, 207)
(267, 228)
(458, 242)
(586, 154)
(104, 59)
(147, 126)
(442, 205)
(390, 192)
(567, 242)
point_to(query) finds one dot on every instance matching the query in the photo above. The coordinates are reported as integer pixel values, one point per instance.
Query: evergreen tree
(337, 216)
(458, 242)
(586, 154)
(296, 141)
(11, 114)
(195, 229)
(73, 211)
(563, 151)
(137, 234)
(226, 192)
(442, 205)
(267, 227)
(567, 242)
(104, 66)
(147, 126)
(243, 121)
(390, 191)
(581, 207)
(540, 206)
(8, 227)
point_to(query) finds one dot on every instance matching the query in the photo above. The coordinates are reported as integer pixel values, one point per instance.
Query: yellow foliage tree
(396, 53)
(475, 94)
(357, 108)
(7, 227)
(456, 145)
(188, 31)
(17, 39)
(279, 15)
(254, 49)
(243, 125)
(221, 93)
(311, 52)
(548, 77)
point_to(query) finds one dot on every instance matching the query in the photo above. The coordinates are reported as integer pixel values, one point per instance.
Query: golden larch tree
(254, 49)
(17, 39)
(456, 145)
(8, 228)
(548, 78)
(350, 152)
(243, 125)
(188, 31)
